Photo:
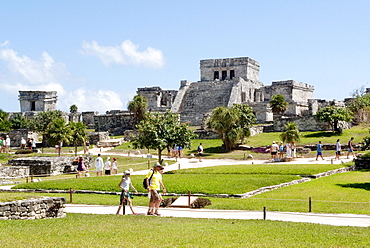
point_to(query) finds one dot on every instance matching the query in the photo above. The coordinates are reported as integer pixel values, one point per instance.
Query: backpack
(145, 185)
(199, 149)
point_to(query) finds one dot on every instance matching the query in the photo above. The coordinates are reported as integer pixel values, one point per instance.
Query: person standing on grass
(350, 148)
(108, 166)
(80, 167)
(154, 180)
(99, 164)
(7, 144)
(125, 185)
(23, 143)
(114, 166)
(319, 151)
(338, 148)
(1, 144)
(281, 151)
(200, 152)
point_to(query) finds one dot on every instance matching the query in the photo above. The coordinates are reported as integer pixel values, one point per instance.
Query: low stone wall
(48, 166)
(14, 172)
(362, 163)
(43, 208)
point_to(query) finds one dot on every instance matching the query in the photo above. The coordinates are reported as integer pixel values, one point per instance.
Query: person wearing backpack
(200, 152)
(154, 182)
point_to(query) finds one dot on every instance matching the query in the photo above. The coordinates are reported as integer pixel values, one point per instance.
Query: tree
(231, 123)
(73, 109)
(19, 121)
(58, 132)
(278, 104)
(159, 130)
(42, 121)
(138, 106)
(291, 133)
(5, 125)
(332, 115)
(78, 134)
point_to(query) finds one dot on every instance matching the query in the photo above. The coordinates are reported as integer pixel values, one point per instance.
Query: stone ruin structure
(224, 82)
(37, 100)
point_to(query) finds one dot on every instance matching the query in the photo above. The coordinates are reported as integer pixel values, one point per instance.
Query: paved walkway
(327, 219)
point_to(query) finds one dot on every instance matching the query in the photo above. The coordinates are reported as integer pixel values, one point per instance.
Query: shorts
(350, 150)
(123, 196)
(200, 154)
(337, 153)
(155, 196)
(273, 153)
(319, 153)
(107, 172)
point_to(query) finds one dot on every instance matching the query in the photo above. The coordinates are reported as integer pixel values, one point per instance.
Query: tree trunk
(59, 148)
(160, 155)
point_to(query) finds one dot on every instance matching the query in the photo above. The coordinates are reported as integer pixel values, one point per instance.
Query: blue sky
(97, 53)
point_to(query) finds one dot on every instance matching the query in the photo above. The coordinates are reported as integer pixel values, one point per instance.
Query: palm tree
(278, 104)
(59, 132)
(78, 134)
(291, 133)
(138, 107)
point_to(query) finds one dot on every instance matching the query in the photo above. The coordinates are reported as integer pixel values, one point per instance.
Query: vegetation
(332, 115)
(138, 106)
(73, 109)
(5, 125)
(78, 134)
(291, 134)
(231, 124)
(278, 104)
(80, 230)
(19, 121)
(160, 131)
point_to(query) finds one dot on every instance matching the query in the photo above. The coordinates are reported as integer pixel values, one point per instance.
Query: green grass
(176, 183)
(80, 230)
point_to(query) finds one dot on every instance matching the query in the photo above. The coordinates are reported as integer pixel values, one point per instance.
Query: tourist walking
(7, 144)
(33, 145)
(154, 180)
(23, 143)
(125, 185)
(288, 150)
(108, 166)
(319, 151)
(99, 165)
(281, 151)
(81, 168)
(274, 151)
(2, 145)
(200, 152)
(338, 149)
(294, 149)
(350, 148)
(114, 166)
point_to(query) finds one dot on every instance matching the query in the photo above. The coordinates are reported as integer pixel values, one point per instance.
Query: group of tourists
(338, 149)
(278, 150)
(153, 182)
(5, 144)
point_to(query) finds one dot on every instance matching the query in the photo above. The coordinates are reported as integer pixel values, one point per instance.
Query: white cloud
(125, 54)
(23, 73)
(89, 100)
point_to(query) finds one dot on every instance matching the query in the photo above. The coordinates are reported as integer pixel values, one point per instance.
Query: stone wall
(88, 118)
(306, 123)
(43, 208)
(115, 123)
(96, 137)
(14, 172)
(48, 166)
(16, 135)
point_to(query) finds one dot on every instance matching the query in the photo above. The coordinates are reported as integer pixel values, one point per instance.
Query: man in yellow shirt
(154, 180)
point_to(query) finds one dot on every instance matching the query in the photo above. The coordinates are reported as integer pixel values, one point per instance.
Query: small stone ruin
(43, 208)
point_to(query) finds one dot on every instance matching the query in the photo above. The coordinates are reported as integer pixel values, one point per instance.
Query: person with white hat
(125, 185)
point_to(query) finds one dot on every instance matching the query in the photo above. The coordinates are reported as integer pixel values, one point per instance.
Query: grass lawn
(238, 179)
(80, 230)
